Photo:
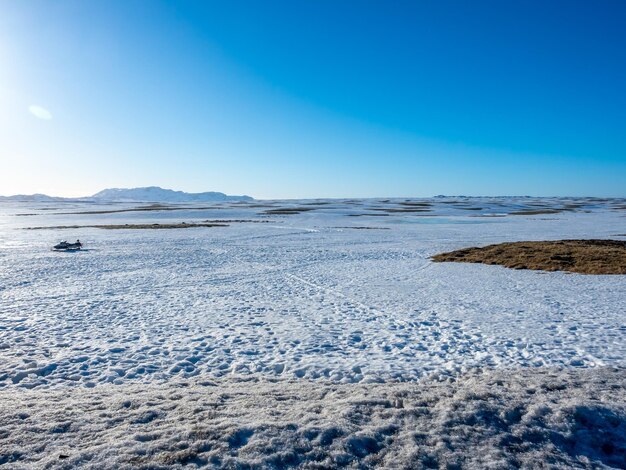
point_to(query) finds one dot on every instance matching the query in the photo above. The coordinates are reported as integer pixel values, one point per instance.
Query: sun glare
(39, 112)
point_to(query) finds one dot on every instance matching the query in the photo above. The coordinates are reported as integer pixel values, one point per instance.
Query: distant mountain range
(148, 194)
(33, 198)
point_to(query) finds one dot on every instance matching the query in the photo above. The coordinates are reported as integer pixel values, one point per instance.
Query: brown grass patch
(415, 204)
(536, 212)
(288, 210)
(367, 215)
(364, 228)
(401, 210)
(577, 256)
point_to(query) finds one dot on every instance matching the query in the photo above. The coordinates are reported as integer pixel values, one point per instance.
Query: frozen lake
(341, 290)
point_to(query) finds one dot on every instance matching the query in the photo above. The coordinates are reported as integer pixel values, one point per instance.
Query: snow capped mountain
(147, 194)
(32, 198)
(157, 194)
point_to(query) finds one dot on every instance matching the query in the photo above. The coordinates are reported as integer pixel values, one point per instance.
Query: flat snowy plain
(322, 297)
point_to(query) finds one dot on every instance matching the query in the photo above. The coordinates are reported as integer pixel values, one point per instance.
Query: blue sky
(314, 99)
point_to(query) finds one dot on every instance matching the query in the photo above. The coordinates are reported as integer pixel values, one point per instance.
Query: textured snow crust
(299, 296)
(528, 418)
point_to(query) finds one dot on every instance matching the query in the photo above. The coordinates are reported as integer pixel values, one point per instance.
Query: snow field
(296, 298)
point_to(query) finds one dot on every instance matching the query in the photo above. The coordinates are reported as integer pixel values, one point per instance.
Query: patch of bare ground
(577, 256)
(536, 212)
(364, 228)
(288, 210)
(131, 226)
(368, 215)
(236, 221)
(415, 204)
(392, 210)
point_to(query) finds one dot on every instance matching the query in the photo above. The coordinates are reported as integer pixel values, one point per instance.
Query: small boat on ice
(65, 246)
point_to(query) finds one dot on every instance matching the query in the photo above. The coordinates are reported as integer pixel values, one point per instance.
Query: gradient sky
(321, 98)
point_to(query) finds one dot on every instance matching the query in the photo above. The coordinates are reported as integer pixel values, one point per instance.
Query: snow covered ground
(341, 293)
(532, 418)
(303, 295)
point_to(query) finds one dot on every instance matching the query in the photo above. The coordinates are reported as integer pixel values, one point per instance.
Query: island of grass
(288, 210)
(576, 256)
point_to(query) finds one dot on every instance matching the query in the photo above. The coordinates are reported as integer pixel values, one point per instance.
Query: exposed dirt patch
(537, 212)
(577, 256)
(367, 215)
(288, 210)
(415, 204)
(393, 210)
(364, 228)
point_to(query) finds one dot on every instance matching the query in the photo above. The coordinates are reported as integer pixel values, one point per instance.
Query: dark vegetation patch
(368, 215)
(288, 210)
(392, 210)
(536, 212)
(236, 221)
(132, 226)
(365, 228)
(415, 204)
(577, 256)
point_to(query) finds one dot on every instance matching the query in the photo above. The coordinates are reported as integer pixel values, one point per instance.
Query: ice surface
(299, 296)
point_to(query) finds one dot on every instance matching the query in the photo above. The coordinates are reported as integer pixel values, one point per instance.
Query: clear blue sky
(314, 98)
